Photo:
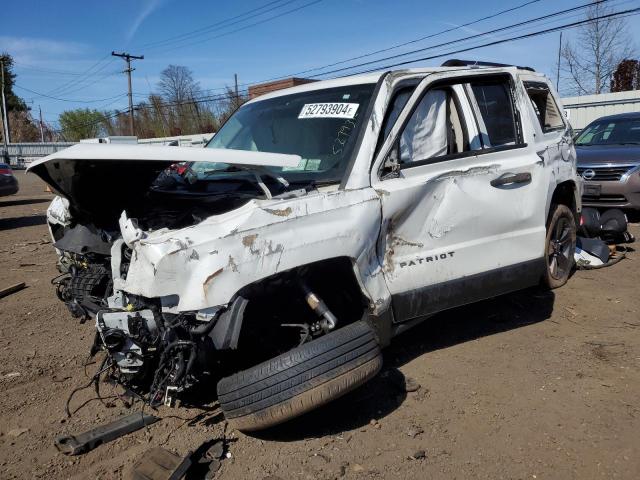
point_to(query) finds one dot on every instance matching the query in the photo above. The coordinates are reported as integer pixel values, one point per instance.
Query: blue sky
(62, 48)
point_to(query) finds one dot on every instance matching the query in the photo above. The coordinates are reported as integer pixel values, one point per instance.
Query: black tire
(301, 379)
(560, 246)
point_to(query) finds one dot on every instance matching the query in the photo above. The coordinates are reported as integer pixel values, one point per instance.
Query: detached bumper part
(84, 442)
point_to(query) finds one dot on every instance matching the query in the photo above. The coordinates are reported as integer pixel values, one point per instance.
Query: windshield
(321, 126)
(611, 132)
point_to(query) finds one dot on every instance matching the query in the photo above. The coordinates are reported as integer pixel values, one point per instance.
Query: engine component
(173, 373)
(128, 336)
(329, 320)
(84, 288)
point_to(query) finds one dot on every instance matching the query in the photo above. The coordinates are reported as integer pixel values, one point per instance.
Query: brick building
(262, 88)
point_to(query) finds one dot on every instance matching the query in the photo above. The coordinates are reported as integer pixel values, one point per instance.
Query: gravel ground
(529, 385)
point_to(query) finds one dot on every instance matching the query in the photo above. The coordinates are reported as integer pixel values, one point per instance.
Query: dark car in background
(8, 183)
(608, 151)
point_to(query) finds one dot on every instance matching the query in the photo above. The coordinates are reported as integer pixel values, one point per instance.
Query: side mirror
(391, 165)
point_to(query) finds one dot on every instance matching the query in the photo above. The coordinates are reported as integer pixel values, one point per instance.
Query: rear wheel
(560, 246)
(301, 379)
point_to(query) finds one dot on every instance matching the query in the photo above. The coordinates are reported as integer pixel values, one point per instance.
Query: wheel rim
(560, 249)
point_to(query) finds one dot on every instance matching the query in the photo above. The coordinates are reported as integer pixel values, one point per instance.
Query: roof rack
(454, 62)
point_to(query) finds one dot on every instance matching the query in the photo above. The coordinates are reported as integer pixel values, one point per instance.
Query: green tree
(82, 123)
(14, 103)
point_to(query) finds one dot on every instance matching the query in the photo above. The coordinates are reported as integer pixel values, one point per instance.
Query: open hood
(155, 153)
(101, 180)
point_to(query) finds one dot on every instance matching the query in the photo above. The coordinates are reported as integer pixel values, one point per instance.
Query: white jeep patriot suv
(319, 222)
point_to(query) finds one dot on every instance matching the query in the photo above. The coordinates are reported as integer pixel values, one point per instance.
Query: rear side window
(545, 106)
(496, 109)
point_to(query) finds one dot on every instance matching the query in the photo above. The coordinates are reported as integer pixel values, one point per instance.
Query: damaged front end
(176, 272)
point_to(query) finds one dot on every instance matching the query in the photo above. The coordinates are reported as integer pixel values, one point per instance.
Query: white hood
(101, 180)
(155, 153)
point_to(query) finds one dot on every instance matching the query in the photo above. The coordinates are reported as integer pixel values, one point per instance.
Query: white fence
(21, 154)
(581, 111)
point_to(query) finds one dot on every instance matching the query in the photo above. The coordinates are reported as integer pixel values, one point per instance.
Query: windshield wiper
(257, 172)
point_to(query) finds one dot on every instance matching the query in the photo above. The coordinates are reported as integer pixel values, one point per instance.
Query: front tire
(560, 246)
(301, 379)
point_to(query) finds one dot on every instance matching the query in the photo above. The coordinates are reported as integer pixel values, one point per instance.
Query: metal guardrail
(21, 154)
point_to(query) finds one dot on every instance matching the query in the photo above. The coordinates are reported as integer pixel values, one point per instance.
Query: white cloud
(25, 48)
(148, 8)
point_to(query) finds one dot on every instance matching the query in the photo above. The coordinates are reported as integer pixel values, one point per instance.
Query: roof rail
(454, 62)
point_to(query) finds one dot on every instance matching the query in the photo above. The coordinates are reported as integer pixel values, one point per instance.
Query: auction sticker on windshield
(328, 110)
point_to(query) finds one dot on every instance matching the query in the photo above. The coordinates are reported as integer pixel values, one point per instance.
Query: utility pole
(5, 122)
(127, 58)
(41, 130)
(558, 72)
(235, 79)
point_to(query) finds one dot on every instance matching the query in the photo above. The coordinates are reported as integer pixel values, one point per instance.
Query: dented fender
(207, 264)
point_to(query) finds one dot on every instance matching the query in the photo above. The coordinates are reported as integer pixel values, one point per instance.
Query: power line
(27, 66)
(493, 15)
(625, 13)
(470, 37)
(142, 106)
(38, 94)
(422, 38)
(219, 25)
(65, 87)
(416, 40)
(85, 74)
(260, 22)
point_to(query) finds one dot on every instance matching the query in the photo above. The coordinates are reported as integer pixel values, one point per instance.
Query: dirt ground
(530, 385)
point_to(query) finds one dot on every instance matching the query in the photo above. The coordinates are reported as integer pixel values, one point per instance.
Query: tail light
(6, 171)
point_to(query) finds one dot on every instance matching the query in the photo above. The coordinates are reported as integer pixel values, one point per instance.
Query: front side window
(425, 135)
(624, 131)
(496, 110)
(321, 126)
(434, 130)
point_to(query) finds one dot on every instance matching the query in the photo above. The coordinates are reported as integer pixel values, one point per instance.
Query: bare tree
(600, 46)
(177, 84)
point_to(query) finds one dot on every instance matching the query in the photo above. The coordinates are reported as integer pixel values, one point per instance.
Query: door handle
(511, 179)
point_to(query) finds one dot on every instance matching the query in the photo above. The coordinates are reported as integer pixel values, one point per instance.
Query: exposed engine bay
(155, 356)
(154, 349)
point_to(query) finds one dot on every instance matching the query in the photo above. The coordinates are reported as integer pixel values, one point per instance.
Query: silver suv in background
(608, 152)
